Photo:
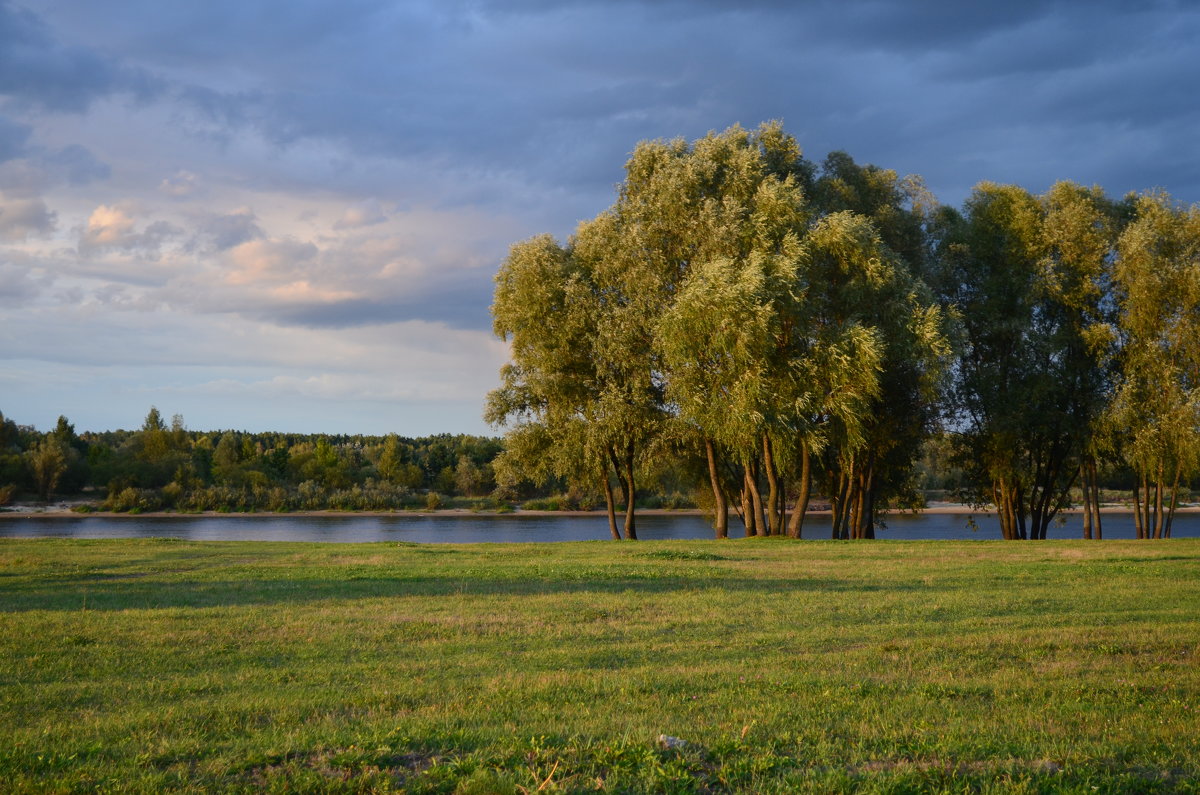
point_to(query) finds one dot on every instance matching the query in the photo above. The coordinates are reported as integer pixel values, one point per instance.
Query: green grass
(815, 666)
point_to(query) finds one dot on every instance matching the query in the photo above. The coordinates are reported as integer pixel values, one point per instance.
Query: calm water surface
(460, 529)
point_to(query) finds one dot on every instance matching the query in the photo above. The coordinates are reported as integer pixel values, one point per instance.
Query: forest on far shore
(163, 466)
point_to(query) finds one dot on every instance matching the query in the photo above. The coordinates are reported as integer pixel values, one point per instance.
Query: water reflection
(471, 528)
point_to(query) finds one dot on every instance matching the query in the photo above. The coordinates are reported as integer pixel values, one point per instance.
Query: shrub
(544, 504)
(131, 500)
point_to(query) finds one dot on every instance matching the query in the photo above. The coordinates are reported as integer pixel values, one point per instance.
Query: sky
(286, 216)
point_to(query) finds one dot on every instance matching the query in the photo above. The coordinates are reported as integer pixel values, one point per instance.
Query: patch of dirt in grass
(951, 768)
(346, 765)
(682, 554)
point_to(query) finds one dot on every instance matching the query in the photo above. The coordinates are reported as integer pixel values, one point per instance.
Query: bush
(433, 501)
(171, 494)
(545, 504)
(131, 500)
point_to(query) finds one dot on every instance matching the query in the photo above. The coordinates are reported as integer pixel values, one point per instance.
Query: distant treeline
(163, 466)
(169, 467)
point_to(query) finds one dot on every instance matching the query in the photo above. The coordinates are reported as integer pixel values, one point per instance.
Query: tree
(551, 395)
(75, 475)
(391, 462)
(1026, 274)
(227, 459)
(875, 358)
(47, 462)
(721, 328)
(1156, 410)
(706, 308)
(1079, 232)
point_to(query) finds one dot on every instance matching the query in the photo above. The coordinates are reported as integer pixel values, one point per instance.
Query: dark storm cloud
(37, 70)
(530, 107)
(556, 93)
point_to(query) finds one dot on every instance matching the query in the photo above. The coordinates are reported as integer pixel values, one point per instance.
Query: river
(471, 528)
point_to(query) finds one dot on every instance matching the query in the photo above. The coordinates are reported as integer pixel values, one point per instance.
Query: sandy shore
(64, 509)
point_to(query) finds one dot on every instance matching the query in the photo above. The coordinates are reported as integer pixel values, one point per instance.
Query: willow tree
(550, 392)
(878, 354)
(1079, 234)
(1156, 409)
(1025, 274)
(709, 298)
(734, 246)
(714, 339)
(889, 237)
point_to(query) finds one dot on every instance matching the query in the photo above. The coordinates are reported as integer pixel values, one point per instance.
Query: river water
(471, 528)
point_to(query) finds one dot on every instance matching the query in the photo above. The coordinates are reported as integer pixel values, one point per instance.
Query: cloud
(411, 377)
(17, 285)
(76, 165)
(28, 169)
(274, 262)
(222, 232)
(24, 218)
(112, 227)
(38, 71)
(14, 137)
(308, 174)
(179, 185)
(367, 213)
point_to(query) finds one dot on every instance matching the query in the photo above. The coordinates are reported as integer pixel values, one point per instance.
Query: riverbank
(61, 509)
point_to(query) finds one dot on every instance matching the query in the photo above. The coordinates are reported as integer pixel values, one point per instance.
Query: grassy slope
(159, 664)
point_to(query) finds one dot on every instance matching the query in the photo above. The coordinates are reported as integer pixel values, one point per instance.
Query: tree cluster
(167, 466)
(790, 328)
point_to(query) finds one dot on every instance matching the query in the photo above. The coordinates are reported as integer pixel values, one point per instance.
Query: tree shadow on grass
(134, 592)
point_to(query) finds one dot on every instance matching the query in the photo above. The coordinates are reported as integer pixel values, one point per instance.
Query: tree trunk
(1174, 502)
(848, 501)
(856, 511)
(1085, 483)
(1139, 526)
(838, 501)
(612, 510)
(1018, 508)
(781, 507)
(760, 529)
(1096, 498)
(796, 524)
(1158, 504)
(773, 496)
(1004, 508)
(721, 505)
(868, 500)
(631, 491)
(747, 506)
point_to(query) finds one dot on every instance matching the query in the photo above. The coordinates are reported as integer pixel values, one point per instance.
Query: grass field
(785, 666)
